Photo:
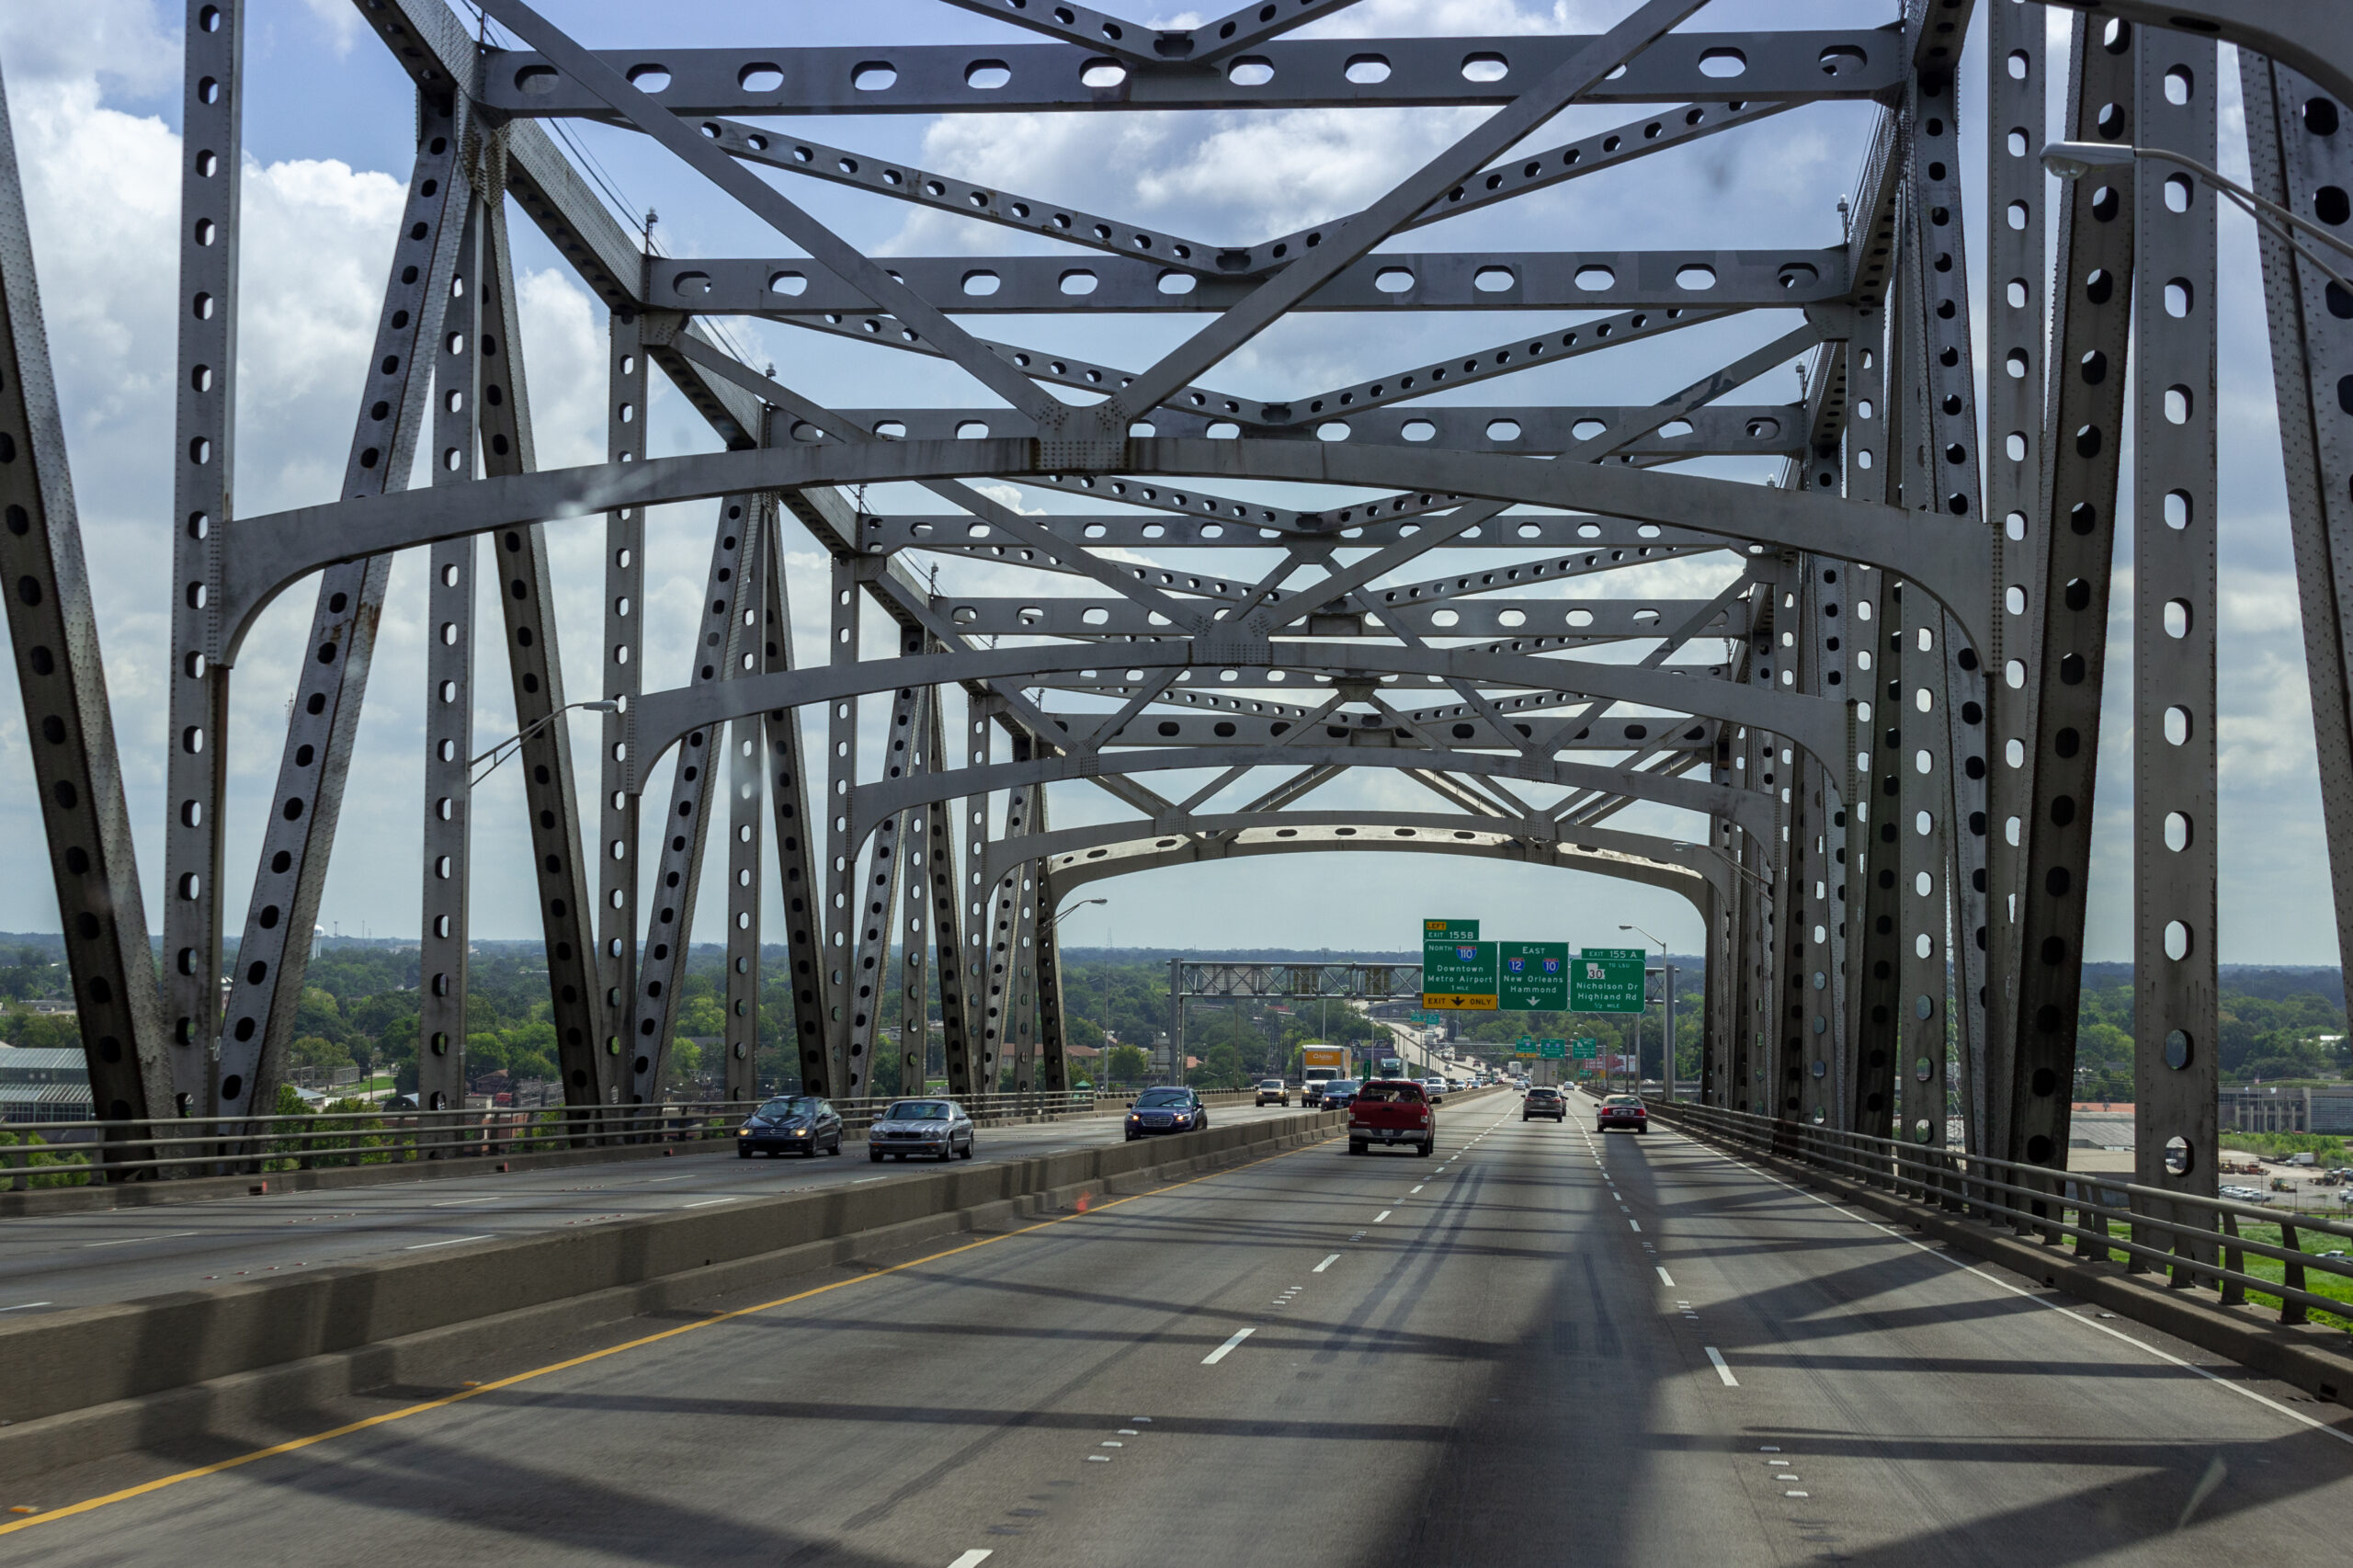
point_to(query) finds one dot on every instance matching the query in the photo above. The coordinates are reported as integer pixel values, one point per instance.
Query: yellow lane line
(89, 1505)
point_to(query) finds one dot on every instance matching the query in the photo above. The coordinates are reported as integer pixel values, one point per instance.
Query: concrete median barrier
(93, 1380)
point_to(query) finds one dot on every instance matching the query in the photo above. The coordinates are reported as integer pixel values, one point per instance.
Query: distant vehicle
(937, 1128)
(1338, 1092)
(2306, 1158)
(1166, 1110)
(1389, 1111)
(797, 1124)
(1273, 1091)
(1545, 1100)
(2246, 1193)
(1436, 1089)
(1624, 1110)
(1320, 1064)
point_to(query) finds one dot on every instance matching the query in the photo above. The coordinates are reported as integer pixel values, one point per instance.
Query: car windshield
(1340, 1086)
(1543, 1094)
(919, 1110)
(784, 1105)
(1622, 1099)
(1374, 1094)
(1270, 1082)
(1164, 1097)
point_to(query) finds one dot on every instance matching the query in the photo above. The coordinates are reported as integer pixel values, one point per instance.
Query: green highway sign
(1585, 1046)
(1607, 980)
(1552, 1049)
(1457, 969)
(1533, 976)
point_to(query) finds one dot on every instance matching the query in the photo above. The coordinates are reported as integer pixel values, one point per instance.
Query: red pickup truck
(1392, 1110)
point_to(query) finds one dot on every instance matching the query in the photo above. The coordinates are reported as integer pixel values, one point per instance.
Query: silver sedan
(937, 1128)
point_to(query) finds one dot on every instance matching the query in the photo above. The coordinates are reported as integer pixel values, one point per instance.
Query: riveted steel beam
(2091, 334)
(2176, 510)
(783, 286)
(275, 947)
(203, 471)
(2296, 148)
(69, 723)
(1796, 66)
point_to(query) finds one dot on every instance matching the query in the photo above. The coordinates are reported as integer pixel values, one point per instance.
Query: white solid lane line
(1665, 1278)
(27, 1306)
(457, 1202)
(1214, 1356)
(126, 1241)
(1325, 1264)
(972, 1559)
(453, 1241)
(705, 1202)
(1722, 1370)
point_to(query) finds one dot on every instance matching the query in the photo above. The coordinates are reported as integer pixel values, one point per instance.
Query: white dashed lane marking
(453, 1241)
(1665, 1278)
(1214, 1356)
(1327, 1263)
(1722, 1371)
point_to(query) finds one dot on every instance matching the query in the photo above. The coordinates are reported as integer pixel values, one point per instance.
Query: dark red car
(1390, 1112)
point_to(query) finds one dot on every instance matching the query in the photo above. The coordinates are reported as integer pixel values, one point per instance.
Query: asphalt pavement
(1541, 1345)
(51, 1262)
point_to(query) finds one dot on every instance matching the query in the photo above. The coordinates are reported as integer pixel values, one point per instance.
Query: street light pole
(1053, 924)
(1667, 1074)
(513, 743)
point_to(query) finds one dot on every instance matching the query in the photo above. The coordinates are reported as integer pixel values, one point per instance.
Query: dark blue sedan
(1339, 1092)
(1170, 1109)
(797, 1124)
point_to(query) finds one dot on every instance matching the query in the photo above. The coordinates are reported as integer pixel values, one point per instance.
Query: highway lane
(48, 1263)
(1541, 1345)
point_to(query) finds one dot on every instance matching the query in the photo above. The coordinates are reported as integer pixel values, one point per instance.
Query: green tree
(1126, 1064)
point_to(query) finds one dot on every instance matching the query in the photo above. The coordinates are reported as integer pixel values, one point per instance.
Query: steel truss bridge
(1882, 731)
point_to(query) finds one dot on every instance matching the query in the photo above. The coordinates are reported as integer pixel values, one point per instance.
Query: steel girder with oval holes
(1337, 631)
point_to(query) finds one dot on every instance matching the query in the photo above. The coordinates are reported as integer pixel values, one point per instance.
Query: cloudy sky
(329, 137)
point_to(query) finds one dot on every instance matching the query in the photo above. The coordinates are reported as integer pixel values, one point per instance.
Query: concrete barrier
(94, 1379)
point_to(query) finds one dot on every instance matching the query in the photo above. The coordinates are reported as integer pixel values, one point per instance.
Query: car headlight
(743, 1132)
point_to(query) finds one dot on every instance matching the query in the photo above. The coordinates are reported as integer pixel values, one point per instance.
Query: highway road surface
(54, 1262)
(1541, 1346)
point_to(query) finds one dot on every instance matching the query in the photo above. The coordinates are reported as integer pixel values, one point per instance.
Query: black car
(1339, 1092)
(799, 1124)
(937, 1128)
(1170, 1109)
(1543, 1101)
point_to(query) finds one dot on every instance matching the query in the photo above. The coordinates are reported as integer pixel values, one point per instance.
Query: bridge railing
(2197, 1240)
(113, 1151)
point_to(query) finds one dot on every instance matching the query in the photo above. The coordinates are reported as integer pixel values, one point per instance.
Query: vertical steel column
(1919, 736)
(719, 652)
(617, 807)
(1053, 1044)
(796, 843)
(1952, 496)
(276, 946)
(2091, 304)
(747, 769)
(2300, 141)
(203, 471)
(845, 836)
(1878, 996)
(69, 724)
(876, 890)
(1007, 958)
(944, 873)
(2175, 1012)
(916, 846)
(979, 712)
(536, 676)
(1030, 936)
(449, 696)
(2017, 257)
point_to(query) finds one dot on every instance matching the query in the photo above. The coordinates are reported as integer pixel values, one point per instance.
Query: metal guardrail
(2196, 1240)
(253, 1145)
